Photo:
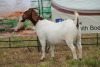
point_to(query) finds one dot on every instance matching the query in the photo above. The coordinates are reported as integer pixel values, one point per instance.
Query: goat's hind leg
(79, 46)
(72, 47)
(52, 50)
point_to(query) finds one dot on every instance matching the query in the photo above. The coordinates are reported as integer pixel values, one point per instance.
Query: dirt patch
(5, 34)
(26, 32)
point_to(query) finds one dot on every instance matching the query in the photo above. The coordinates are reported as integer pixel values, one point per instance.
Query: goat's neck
(34, 22)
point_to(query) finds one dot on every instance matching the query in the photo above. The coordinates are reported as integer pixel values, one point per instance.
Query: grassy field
(22, 57)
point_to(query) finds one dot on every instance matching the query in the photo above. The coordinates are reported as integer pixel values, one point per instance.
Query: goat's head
(27, 14)
(31, 15)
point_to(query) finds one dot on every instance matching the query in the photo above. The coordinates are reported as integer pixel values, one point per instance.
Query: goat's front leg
(43, 44)
(52, 50)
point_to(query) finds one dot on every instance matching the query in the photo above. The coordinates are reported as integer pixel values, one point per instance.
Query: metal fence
(91, 39)
(94, 40)
(9, 43)
(43, 6)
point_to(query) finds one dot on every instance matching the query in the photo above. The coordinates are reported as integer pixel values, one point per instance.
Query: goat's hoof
(42, 59)
(80, 59)
(74, 59)
(52, 58)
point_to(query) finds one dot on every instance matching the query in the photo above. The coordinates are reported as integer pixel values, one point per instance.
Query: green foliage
(88, 62)
(26, 24)
(11, 23)
(91, 62)
(7, 23)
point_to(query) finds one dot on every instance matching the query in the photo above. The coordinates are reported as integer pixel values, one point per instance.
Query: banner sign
(88, 24)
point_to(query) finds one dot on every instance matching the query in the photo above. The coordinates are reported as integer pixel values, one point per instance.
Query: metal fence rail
(38, 46)
(9, 41)
(96, 38)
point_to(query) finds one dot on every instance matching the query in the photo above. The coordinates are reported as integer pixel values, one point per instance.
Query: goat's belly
(56, 40)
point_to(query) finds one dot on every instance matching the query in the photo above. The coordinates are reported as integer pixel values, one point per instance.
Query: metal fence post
(97, 39)
(9, 42)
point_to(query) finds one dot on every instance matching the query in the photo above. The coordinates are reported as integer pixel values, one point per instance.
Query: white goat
(67, 31)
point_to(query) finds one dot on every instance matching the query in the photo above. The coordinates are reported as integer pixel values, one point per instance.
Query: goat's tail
(76, 19)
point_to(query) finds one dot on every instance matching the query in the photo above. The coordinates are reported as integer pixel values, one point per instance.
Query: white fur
(56, 33)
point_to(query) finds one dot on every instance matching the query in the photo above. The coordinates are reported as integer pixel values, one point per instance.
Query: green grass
(21, 57)
(8, 23)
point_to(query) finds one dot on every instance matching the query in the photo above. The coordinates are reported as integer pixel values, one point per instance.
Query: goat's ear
(34, 16)
(30, 10)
